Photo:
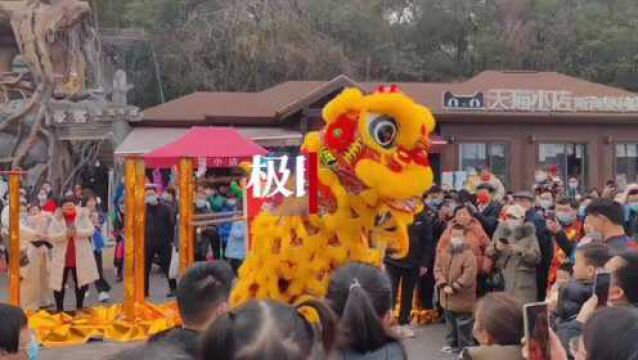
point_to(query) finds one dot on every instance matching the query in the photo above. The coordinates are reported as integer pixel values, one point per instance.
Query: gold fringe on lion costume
(373, 170)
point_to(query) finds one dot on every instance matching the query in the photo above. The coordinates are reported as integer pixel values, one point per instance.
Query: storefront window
(627, 163)
(569, 159)
(494, 156)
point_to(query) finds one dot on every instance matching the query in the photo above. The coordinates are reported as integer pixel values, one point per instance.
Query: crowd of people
(475, 258)
(62, 239)
(545, 245)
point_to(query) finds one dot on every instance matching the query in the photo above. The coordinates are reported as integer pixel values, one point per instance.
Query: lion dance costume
(373, 170)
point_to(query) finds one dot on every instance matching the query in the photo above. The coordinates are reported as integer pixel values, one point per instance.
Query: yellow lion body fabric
(372, 172)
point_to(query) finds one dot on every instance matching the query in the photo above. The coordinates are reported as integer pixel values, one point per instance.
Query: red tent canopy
(221, 147)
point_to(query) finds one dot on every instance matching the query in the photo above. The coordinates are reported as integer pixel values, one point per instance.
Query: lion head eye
(383, 129)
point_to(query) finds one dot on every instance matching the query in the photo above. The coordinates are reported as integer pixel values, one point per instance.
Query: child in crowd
(498, 329)
(590, 258)
(270, 330)
(455, 272)
(361, 296)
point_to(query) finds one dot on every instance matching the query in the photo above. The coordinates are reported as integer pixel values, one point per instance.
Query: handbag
(496, 281)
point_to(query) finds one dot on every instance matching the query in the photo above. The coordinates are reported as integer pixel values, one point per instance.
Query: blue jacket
(236, 248)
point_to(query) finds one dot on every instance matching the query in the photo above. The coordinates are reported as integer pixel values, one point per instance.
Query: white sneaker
(449, 350)
(103, 297)
(408, 332)
(404, 331)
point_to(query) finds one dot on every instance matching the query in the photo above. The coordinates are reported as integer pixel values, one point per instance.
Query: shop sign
(557, 101)
(452, 101)
(539, 101)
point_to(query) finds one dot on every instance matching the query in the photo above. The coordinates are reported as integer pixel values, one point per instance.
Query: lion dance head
(373, 170)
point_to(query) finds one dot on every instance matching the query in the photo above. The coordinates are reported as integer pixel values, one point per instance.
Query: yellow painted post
(14, 238)
(191, 229)
(185, 213)
(130, 184)
(140, 230)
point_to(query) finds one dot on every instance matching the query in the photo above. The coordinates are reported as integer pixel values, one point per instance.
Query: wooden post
(140, 231)
(185, 213)
(14, 238)
(190, 228)
(130, 184)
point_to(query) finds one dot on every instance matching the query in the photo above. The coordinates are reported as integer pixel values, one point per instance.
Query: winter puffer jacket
(570, 299)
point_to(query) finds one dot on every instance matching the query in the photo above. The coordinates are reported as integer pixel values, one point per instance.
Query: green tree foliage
(249, 45)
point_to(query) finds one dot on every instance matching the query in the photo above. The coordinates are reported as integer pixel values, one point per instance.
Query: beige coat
(85, 260)
(458, 270)
(518, 262)
(34, 290)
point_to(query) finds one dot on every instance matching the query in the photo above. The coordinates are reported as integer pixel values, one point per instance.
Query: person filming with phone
(516, 253)
(590, 259)
(622, 292)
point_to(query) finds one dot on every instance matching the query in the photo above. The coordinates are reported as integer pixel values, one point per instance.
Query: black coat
(570, 299)
(422, 245)
(489, 217)
(546, 245)
(160, 225)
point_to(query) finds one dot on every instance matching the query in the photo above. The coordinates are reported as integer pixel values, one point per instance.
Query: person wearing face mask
(545, 201)
(434, 199)
(17, 341)
(160, 232)
(70, 233)
(488, 208)
(169, 198)
(230, 205)
(545, 243)
(207, 235)
(516, 254)
(455, 271)
(45, 202)
(566, 230)
(573, 190)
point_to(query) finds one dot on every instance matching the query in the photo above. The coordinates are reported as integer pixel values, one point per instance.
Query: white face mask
(545, 204)
(457, 241)
(513, 223)
(539, 178)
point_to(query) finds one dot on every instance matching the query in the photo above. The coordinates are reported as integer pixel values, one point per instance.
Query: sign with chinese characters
(520, 100)
(285, 181)
(557, 101)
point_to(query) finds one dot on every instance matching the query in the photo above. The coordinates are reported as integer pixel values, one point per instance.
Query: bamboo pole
(217, 221)
(14, 238)
(130, 183)
(140, 231)
(210, 216)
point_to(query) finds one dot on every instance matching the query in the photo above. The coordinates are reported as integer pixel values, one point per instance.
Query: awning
(216, 146)
(142, 140)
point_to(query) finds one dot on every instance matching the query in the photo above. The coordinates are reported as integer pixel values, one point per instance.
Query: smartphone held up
(536, 318)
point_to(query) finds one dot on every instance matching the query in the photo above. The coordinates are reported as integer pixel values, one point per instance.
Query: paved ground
(425, 346)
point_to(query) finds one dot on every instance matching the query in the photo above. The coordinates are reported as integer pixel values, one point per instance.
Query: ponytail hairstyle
(271, 330)
(361, 295)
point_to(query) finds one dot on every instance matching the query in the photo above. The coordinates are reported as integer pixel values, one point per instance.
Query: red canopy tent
(221, 147)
